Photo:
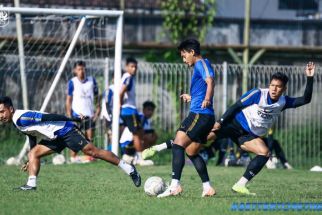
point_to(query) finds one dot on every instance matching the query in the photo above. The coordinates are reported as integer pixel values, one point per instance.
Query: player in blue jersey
(194, 129)
(50, 133)
(250, 118)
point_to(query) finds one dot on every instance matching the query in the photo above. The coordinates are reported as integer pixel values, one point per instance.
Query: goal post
(85, 14)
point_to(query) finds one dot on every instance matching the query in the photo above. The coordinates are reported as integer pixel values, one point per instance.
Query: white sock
(242, 181)
(127, 168)
(174, 183)
(32, 181)
(160, 147)
(206, 185)
(139, 155)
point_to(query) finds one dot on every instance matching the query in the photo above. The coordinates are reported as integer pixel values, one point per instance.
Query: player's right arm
(69, 98)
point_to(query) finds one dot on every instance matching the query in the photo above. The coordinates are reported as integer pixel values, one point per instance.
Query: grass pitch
(100, 188)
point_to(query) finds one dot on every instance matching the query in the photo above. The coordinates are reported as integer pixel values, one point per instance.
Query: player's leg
(150, 152)
(76, 141)
(258, 147)
(181, 141)
(192, 152)
(33, 165)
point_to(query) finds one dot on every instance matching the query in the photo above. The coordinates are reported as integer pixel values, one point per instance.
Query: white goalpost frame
(117, 61)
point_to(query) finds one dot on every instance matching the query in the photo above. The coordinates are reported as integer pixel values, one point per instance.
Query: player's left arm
(208, 75)
(307, 96)
(209, 93)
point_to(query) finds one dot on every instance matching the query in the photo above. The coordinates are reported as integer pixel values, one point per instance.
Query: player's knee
(91, 151)
(263, 152)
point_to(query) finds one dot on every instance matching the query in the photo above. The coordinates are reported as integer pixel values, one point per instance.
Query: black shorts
(132, 122)
(74, 140)
(87, 124)
(233, 130)
(197, 126)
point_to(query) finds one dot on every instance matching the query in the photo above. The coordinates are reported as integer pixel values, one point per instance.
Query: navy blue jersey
(201, 70)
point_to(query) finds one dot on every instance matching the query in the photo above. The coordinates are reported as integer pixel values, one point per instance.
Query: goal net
(35, 75)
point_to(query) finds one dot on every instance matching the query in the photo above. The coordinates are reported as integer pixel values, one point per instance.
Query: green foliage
(189, 18)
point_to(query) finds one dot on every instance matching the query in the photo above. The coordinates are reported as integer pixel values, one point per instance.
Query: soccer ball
(154, 186)
(59, 159)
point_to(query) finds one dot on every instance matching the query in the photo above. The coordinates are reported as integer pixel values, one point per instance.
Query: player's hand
(186, 97)
(25, 166)
(216, 127)
(205, 103)
(309, 70)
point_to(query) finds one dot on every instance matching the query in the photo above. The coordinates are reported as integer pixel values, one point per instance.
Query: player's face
(276, 89)
(148, 112)
(131, 68)
(6, 113)
(188, 57)
(79, 71)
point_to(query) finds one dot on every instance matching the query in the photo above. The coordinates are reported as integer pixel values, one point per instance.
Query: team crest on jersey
(4, 17)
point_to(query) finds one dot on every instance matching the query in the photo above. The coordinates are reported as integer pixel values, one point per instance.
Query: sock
(32, 181)
(177, 161)
(160, 147)
(169, 144)
(127, 168)
(139, 155)
(200, 166)
(242, 181)
(255, 166)
(174, 183)
(206, 185)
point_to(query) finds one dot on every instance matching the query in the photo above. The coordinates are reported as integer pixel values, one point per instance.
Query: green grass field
(100, 188)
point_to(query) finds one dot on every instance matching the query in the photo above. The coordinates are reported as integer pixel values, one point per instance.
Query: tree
(188, 18)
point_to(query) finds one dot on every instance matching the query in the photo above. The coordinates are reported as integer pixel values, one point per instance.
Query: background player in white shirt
(82, 97)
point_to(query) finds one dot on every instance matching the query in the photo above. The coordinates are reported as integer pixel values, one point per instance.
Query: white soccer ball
(59, 159)
(12, 161)
(154, 186)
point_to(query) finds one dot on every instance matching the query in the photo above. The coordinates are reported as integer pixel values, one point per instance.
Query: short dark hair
(131, 60)
(6, 101)
(79, 63)
(189, 45)
(147, 104)
(280, 76)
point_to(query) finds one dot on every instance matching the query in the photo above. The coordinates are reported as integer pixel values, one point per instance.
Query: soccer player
(49, 133)
(253, 115)
(149, 136)
(195, 128)
(129, 113)
(82, 94)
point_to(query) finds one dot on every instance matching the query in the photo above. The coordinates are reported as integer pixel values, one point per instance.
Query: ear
(193, 52)
(11, 109)
(285, 88)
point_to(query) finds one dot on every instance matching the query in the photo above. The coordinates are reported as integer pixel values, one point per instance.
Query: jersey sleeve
(95, 87)
(128, 82)
(251, 97)
(29, 118)
(70, 88)
(205, 70)
(289, 102)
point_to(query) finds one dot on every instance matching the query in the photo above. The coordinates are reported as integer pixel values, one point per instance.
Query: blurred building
(290, 31)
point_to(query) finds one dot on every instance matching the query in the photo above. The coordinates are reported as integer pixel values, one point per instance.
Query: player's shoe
(26, 188)
(208, 192)
(135, 176)
(142, 162)
(149, 152)
(242, 190)
(287, 166)
(128, 159)
(171, 191)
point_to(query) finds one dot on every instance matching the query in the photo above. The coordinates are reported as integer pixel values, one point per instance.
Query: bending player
(195, 128)
(50, 133)
(253, 115)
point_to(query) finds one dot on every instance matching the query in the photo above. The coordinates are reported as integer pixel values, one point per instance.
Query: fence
(298, 130)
